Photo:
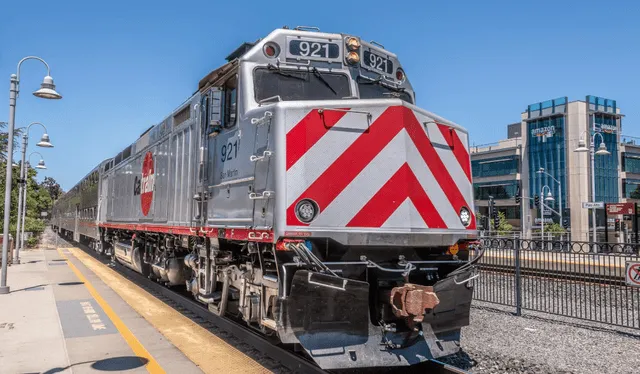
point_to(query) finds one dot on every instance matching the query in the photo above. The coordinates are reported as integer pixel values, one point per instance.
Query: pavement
(61, 318)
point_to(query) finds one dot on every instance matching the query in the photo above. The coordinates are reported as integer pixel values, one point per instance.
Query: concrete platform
(66, 314)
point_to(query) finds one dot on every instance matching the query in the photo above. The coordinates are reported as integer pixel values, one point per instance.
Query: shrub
(32, 242)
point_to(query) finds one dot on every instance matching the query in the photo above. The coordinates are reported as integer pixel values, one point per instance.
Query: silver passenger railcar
(300, 189)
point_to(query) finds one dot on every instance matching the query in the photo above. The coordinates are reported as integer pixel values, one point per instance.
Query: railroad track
(606, 280)
(201, 315)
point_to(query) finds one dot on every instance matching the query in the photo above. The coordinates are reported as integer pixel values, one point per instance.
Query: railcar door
(263, 194)
(229, 178)
(76, 224)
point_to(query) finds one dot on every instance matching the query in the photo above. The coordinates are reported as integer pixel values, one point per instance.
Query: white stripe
(398, 220)
(351, 200)
(326, 151)
(432, 188)
(441, 145)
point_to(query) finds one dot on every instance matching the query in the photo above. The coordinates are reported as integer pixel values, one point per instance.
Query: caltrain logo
(144, 186)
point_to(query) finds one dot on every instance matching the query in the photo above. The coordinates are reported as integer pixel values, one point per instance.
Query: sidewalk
(59, 317)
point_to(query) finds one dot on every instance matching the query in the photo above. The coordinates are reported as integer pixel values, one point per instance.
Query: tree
(504, 227)
(4, 141)
(53, 187)
(554, 228)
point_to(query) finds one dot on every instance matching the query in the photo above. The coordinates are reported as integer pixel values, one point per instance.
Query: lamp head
(45, 142)
(47, 89)
(602, 150)
(582, 146)
(549, 197)
(41, 165)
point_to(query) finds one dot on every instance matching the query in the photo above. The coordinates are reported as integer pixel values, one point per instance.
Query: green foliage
(504, 227)
(32, 242)
(39, 200)
(554, 228)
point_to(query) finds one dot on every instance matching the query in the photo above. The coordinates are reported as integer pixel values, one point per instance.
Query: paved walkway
(60, 317)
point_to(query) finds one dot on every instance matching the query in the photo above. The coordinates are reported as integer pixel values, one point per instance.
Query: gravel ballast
(499, 342)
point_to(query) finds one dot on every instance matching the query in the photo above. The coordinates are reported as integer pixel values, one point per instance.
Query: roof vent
(307, 28)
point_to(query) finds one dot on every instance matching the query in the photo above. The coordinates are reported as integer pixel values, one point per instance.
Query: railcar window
(371, 90)
(292, 85)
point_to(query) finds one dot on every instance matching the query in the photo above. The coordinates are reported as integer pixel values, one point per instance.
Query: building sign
(621, 208)
(608, 129)
(544, 131)
(588, 205)
(546, 220)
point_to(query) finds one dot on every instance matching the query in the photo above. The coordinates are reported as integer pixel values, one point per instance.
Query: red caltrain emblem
(146, 187)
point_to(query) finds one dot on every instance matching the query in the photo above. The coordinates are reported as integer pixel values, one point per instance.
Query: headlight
(353, 44)
(465, 216)
(353, 58)
(306, 210)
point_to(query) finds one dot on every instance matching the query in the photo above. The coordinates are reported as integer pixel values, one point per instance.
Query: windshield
(370, 90)
(293, 85)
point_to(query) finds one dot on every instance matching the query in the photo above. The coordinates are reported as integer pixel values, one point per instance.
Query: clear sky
(124, 65)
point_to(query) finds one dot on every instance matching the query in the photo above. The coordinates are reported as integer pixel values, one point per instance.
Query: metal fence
(572, 279)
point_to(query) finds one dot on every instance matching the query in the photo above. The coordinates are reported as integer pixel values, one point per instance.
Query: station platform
(69, 313)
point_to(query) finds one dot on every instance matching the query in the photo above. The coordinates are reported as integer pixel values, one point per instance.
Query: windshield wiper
(379, 82)
(318, 75)
(279, 71)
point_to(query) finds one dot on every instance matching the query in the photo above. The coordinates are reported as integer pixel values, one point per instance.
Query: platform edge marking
(152, 365)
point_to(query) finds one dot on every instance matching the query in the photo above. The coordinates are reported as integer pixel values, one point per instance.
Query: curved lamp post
(45, 143)
(47, 91)
(602, 151)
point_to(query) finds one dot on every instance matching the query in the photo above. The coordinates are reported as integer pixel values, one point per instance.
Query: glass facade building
(546, 147)
(631, 162)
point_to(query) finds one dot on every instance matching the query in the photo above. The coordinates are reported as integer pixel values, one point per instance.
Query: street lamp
(543, 171)
(549, 197)
(602, 151)
(44, 142)
(41, 165)
(47, 91)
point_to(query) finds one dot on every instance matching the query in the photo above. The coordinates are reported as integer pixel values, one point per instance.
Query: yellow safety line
(152, 365)
(208, 352)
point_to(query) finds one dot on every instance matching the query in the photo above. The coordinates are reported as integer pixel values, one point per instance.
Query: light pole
(542, 171)
(44, 142)
(602, 151)
(549, 197)
(23, 202)
(47, 91)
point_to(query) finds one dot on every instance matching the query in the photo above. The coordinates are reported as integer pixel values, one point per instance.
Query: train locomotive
(302, 191)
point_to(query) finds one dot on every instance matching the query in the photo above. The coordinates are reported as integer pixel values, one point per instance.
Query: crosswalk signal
(536, 200)
(565, 222)
(617, 224)
(518, 197)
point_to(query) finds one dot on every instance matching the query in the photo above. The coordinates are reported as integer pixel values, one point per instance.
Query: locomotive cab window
(292, 85)
(230, 101)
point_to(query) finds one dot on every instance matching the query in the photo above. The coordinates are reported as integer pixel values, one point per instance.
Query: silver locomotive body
(301, 190)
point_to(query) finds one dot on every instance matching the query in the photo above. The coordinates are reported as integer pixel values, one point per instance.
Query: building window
(606, 167)
(631, 163)
(494, 167)
(499, 190)
(631, 188)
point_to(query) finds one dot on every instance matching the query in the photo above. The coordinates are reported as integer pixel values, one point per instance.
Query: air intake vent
(183, 115)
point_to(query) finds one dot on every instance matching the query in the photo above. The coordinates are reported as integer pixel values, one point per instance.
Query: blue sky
(124, 65)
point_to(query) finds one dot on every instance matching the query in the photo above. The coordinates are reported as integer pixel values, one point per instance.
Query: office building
(539, 157)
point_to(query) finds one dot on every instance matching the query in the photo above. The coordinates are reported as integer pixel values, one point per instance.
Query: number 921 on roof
(309, 49)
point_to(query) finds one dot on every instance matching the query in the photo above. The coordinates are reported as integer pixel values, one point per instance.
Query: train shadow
(121, 363)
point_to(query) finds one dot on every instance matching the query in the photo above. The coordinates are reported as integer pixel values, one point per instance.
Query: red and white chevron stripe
(405, 171)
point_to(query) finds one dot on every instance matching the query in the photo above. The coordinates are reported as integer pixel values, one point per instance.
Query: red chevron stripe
(402, 185)
(365, 148)
(351, 162)
(308, 131)
(437, 167)
(457, 147)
